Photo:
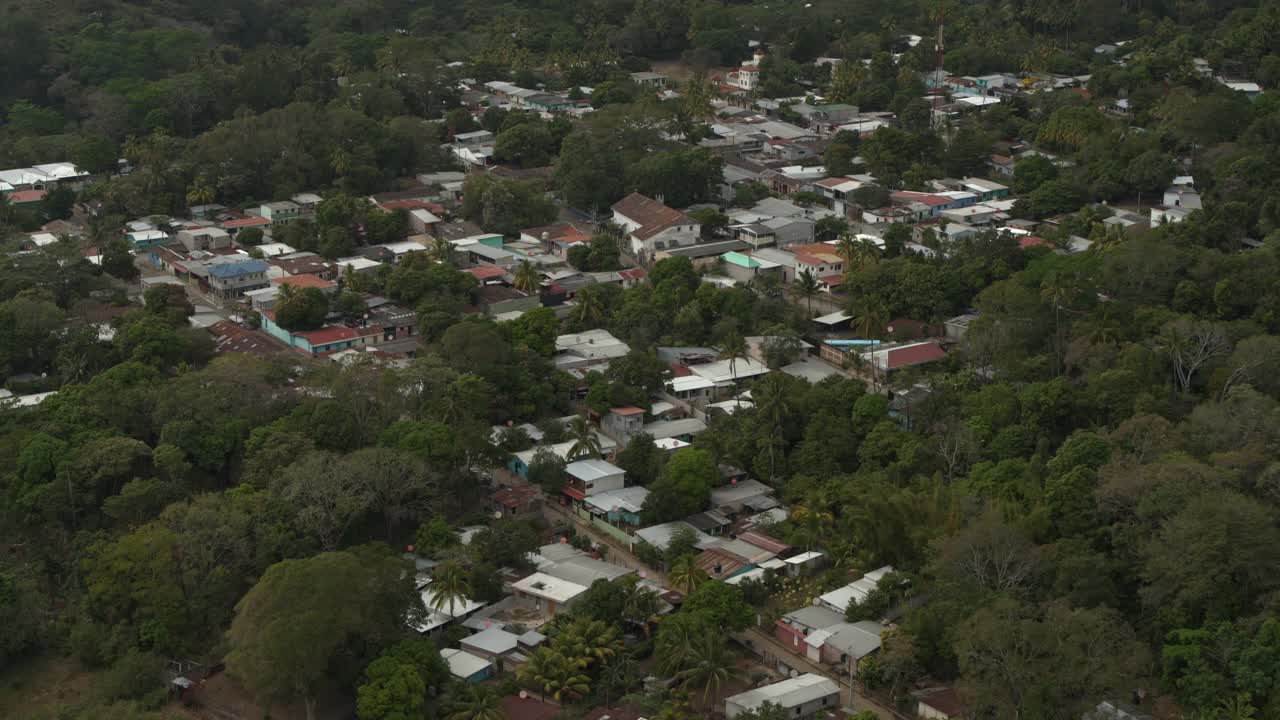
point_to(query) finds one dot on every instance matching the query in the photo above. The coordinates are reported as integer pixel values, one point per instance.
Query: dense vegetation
(1086, 504)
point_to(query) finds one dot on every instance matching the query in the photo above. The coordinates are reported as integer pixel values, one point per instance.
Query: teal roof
(740, 260)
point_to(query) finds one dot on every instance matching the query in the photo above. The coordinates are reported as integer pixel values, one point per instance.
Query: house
(622, 424)
(804, 696)
(518, 501)
(780, 231)
(957, 327)
(820, 260)
(519, 463)
(281, 212)
(467, 667)
(305, 263)
(889, 358)
(1183, 197)
(230, 278)
(207, 238)
(652, 226)
(651, 80)
(741, 495)
(825, 118)
(493, 644)
(721, 564)
(939, 703)
(844, 644)
(619, 507)
(593, 347)
(806, 563)
(144, 239)
(43, 177)
(557, 238)
(745, 268)
(1162, 214)
(659, 536)
(747, 76)
(545, 594)
(838, 600)
(588, 477)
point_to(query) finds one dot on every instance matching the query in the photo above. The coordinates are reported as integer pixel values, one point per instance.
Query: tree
(527, 279)
(1219, 534)
(392, 691)
(733, 348)
(473, 702)
(806, 287)
(586, 443)
(683, 489)
(709, 666)
(1190, 344)
(449, 584)
(299, 310)
(553, 674)
(841, 152)
(546, 470)
(1032, 172)
(529, 144)
(1019, 660)
(723, 604)
(686, 576)
(595, 642)
(275, 649)
(642, 459)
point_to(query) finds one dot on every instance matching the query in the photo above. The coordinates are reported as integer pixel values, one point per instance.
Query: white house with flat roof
(800, 697)
(592, 476)
(546, 594)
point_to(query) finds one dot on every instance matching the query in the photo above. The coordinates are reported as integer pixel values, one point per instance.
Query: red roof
(328, 335)
(831, 280)
(927, 198)
(832, 181)
(764, 542)
(514, 707)
(633, 274)
(26, 196)
(304, 281)
(627, 410)
(244, 222)
(917, 354)
(559, 232)
(1027, 241)
(514, 497)
(652, 216)
(486, 272)
(574, 493)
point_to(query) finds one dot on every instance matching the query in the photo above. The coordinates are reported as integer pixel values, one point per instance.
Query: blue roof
(235, 269)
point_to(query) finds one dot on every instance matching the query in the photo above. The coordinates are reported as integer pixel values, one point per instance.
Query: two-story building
(229, 278)
(282, 212)
(652, 226)
(584, 478)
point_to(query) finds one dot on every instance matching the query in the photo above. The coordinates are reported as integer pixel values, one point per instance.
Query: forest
(1086, 507)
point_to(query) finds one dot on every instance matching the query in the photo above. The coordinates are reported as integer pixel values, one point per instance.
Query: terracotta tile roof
(26, 196)
(244, 222)
(917, 354)
(815, 254)
(627, 410)
(926, 198)
(652, 216)
(305, 281)
(1027, 241)
(229, 337)
(563, 232)
(486, 272)
(328, 335)
(514, 497)
(633, 274)
(764, 542)
(832, 182)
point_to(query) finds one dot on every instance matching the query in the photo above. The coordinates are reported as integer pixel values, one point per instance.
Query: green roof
(740, 260)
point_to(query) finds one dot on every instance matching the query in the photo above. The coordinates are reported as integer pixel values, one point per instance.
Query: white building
(801, 697)
(652, 226)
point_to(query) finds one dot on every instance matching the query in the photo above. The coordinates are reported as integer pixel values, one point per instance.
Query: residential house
(207, 238)
(820, 260)
(1162, 214)
(493, 644)
(467, 667)
(564, 574)
(747, 76)
(501, 301)
(230, 278)
(144, 239)
(619, 507)
(838, 600)
(304, 263)
(659, 536)
(825, 118)
(43, 177)
(593, 347)
(745, 268)
(588, 477)
(805, 696)
(652, 80)
(944, 703)
(743, 495)
(281, 212)
(652, 226)
(520, 501)
(519, 463)
(839, 190)
(622, 424)
(557, 238)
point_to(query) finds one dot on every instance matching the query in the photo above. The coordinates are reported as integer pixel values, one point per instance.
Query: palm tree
(619, 674)
(640, 606)
(773, 405)
(813, 521)
(442, 250)
(595, 642)
(857, 253)
(1060, 291)
(585, 440)
(448, 585)
(686, 576)
(733, 348)
(588, 308)
(552, 674)
(806, 287)
(200, 192)
(474, 702)
(710, 666)
(340, 160)
(527, 279)
(870, 317)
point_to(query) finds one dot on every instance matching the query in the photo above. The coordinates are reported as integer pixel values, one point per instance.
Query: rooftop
(463, 664)
(592, 469)
(652, 216)
(791, 693)
(494, 640)
(549, 587)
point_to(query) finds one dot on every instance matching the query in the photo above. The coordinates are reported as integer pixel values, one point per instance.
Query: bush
(136, 676)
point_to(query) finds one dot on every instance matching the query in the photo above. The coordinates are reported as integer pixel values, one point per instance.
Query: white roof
(721, 371)
(659, 536)
(405, 246)
(561, 450)
(688, 383)
(879, 573)
(28, 400)
(731, 406)
(753, 574)
(628, 499)
(670, 444)
(425, 216)
(307, 198)
(494, 640)
(274, 249)
(592, 469)
(43, 238)
(549, 587)
(660, 407)
(840, 598)
(1244, 86)
(791, 693)
(834, 318)
(61, 170)
(460, 607)
(592, 344)
(358, 263)
(148, 234)
(979, 101)
(671, 428)
(803, 557)
(463, 664)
